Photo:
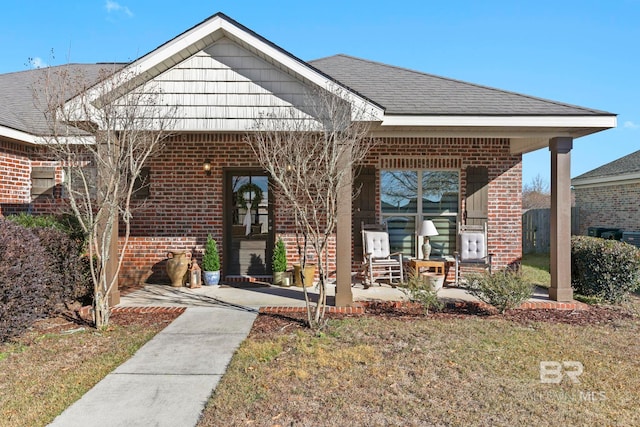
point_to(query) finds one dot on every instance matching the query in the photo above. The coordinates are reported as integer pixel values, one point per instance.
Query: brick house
(468, 138)
(607, 196)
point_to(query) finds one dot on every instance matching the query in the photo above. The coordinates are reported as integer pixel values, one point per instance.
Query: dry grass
(431, 371)
(48, 369)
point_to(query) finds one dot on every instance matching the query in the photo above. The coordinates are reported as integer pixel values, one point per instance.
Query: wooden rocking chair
(473, 250)
(378, 261)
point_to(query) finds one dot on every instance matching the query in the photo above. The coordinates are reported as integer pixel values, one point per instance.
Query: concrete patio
(259, 295)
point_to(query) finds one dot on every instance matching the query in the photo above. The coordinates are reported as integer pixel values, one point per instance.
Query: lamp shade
(427, 228)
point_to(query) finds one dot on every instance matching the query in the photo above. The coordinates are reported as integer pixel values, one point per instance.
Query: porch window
(410, 196)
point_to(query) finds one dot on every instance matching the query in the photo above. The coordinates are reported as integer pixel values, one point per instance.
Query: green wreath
(248, 188)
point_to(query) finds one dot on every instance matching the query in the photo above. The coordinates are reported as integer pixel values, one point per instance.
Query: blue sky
(579, 52)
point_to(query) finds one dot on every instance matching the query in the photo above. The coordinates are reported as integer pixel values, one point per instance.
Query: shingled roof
(407, 92)
(18, 108)
(399, 91)
(629, 164)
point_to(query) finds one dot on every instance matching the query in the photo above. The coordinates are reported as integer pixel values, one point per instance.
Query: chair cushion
(377, 243)
(473, 247)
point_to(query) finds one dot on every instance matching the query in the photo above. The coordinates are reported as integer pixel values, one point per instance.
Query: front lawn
(446, 369)
(535, 268)
(47, 369)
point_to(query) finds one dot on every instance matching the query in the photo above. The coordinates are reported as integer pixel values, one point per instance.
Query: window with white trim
(410, 196)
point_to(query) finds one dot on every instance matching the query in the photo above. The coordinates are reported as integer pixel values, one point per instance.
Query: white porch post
(561, 219)
(344, 296)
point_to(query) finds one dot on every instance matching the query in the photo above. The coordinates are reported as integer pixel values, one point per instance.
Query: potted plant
(279, 263)
(211, 263)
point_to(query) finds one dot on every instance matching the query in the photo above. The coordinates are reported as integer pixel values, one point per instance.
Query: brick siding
(614, 206)
(16, 162)
(185, 204)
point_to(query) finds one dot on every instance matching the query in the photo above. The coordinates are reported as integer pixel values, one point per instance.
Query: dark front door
(248, 224)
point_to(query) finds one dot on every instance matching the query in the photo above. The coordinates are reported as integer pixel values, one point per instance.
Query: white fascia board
(43, 140)
(18, 135)
(503, 121)
(628, 178)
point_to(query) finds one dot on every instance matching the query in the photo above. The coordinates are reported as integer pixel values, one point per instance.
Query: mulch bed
(267, 324)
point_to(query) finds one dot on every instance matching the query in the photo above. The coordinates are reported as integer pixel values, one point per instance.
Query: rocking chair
(473, 251)
(378, 261)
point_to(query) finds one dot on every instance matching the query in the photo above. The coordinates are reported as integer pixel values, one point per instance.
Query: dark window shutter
(477, 196)
(364, 206)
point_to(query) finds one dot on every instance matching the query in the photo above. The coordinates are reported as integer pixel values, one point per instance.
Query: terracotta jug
(177, 267)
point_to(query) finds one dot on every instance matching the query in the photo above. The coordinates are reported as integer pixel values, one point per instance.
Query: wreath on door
(249, 188)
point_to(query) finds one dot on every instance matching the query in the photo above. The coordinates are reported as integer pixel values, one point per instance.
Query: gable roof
(402, 100)
(623, 169)
(409, 92)
(221, 26)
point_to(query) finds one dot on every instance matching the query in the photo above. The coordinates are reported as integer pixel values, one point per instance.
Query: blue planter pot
(211, 278)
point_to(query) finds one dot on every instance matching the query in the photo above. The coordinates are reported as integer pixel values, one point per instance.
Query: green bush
(211, 258)
(504, 289)
(68, 224)
(605, 269)
(418, 289)
(279, 257)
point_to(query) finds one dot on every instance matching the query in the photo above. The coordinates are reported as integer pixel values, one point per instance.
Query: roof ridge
(449, 79)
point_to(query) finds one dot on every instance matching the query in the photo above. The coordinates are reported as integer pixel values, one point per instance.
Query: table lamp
(427, 230)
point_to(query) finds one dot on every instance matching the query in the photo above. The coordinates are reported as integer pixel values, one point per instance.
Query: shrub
(25, 274)
(504, 290)
(69, 263)
(606, 269)
(65, 223)
(211, 258)
(279, 256)
(418, 289)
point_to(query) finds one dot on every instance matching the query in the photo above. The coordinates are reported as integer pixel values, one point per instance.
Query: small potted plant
(211, 263)
(279, 263)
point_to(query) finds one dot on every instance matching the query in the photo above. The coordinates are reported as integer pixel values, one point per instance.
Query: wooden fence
(536, 229)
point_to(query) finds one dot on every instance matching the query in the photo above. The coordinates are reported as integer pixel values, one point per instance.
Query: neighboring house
(454, 148)
(608, 196)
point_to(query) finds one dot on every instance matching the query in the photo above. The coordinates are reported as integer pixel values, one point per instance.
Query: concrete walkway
(169, 380)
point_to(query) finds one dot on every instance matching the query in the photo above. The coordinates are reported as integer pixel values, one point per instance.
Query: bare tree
(536, 195)
(310, 152)
(102, 130)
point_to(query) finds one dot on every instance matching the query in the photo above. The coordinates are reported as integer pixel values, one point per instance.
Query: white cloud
(115, 7)
(630, 125)
(37, 62)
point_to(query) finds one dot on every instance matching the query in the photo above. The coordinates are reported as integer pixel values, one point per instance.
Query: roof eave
(18, 135)
(598, 122)
(601, 181)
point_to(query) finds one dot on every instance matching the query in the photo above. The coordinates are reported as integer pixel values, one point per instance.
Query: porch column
(344, 296)
(561, 219)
